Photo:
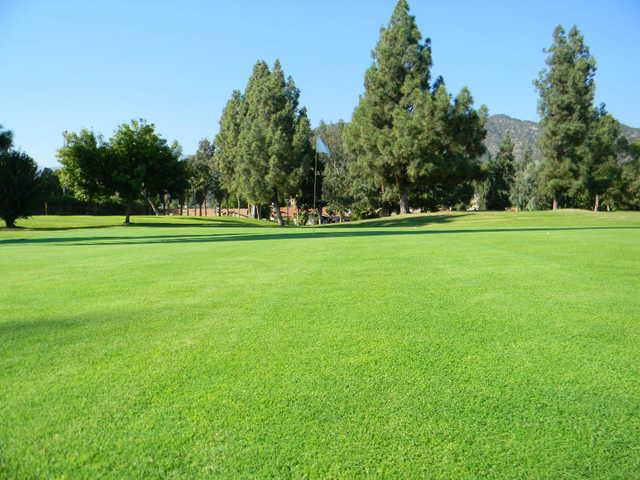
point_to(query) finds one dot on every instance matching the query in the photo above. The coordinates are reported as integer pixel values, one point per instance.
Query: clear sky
(70, 64)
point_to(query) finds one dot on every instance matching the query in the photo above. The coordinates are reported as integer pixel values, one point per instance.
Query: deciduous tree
(19, 182)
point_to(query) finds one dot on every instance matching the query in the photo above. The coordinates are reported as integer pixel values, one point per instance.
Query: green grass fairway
(484, 345)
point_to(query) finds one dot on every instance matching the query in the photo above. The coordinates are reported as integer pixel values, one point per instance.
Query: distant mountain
(525, 133)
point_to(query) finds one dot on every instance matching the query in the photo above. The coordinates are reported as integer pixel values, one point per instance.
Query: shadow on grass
(179, 222)
(285, 235)
(401, 221)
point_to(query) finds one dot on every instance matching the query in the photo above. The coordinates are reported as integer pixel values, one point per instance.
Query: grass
(484, 345)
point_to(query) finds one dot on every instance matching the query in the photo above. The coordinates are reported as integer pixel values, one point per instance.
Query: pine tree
(411, 141)
(264, 146)
(600, 171)
(381, 133)
(567, 91)
(501, 176)
(629, 186)
(226, 157)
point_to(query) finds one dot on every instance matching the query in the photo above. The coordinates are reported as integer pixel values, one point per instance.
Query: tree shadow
(176, 222)
(297, 234)
(61, 229)
(16, 328)
(109, 240)
(422, 220)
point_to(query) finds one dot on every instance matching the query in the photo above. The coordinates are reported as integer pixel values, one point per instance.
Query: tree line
(411, 144)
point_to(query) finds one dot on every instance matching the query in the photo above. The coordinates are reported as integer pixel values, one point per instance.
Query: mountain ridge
(524, 134)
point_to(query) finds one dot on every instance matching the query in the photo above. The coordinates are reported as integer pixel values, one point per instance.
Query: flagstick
(315, 177)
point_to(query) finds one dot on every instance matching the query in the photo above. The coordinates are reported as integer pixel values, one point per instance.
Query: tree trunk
(555, 203)
(127, 214)
(205, 206)
(276, 208)
(596, 205)
(10, 221)
(238, 198)
(404, 203)
(153, 207)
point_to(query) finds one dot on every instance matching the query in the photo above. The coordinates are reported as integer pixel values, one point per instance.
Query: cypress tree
(226, 145)
(263, 147)
(567, 91)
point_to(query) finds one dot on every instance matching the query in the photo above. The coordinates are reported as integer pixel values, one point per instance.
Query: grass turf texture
(495, 345)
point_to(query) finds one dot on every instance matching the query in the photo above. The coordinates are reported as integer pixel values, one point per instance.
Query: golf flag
(321, 147)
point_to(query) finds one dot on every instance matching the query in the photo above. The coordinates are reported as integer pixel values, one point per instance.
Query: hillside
(525, 134)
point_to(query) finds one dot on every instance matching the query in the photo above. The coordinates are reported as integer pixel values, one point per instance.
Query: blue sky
(71, 64)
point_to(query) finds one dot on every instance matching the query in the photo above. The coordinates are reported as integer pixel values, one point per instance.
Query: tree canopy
(264, 146)
(408, 137)
(567, 90)
(135, 163)
(19, 181)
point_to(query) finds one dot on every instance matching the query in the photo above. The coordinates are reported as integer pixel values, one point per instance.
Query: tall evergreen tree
(226, 153)
(410, 140)
(382, 133)
(600, 171)
(567, 91)
(630, 177)
(501, 176)
(264, 140)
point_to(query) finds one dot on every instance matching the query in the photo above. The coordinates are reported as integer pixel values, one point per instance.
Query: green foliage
(6, 139)
(50, 186)
(264, 148)
(382, 134)
(337, 182)
(135, 163)
(86, 167)
(630, 178)
(202, 174)
(566, 90)
(501, 176)
(19, 182)
(227, 154)
(524, 190)
(143, 164)
(600, 172)
(411, 141)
